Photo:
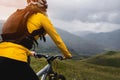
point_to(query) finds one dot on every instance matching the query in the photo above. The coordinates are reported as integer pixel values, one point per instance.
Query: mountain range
(109, 40)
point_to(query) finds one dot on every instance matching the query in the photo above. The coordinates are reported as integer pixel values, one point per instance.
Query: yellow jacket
(36, 21)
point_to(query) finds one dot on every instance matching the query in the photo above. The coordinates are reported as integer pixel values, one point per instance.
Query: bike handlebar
(49, 58)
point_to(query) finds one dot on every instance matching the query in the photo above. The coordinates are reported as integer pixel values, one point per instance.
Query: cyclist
(20, 35)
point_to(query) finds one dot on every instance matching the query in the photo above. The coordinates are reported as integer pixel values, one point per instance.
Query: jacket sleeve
(46, 23)
(37, 20)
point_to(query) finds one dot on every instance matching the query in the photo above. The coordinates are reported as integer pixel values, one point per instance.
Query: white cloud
(13, 3)
(76, 25)
(6, 11)
(89, 15)
(8, 7)
(75, 15)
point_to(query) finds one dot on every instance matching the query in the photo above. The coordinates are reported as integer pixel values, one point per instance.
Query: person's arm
(37, 20)
(47, 25)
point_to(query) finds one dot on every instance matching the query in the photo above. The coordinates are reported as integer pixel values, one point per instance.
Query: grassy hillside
(110, 58)
(81, 69)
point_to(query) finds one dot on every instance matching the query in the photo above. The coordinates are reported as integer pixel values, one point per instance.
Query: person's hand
(32, 53)
(68, 56)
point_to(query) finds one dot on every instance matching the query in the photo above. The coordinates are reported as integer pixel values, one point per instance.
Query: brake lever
(60, 58)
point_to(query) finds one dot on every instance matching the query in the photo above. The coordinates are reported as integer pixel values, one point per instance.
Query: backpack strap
(41, 32)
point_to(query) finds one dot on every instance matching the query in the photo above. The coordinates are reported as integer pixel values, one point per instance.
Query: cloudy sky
(75, 15)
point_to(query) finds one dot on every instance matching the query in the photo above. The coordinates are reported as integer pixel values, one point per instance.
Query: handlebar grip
(60, 57)
(38, 55)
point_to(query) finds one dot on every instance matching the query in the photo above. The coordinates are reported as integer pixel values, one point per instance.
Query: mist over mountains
(110, 40)
(82, 43)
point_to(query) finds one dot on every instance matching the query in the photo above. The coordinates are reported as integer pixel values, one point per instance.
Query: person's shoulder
(40, 14)
(37, 16)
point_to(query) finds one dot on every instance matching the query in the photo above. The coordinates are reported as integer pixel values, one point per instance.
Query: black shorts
(16, 70)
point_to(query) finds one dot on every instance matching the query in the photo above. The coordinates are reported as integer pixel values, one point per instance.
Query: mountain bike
(47, 72)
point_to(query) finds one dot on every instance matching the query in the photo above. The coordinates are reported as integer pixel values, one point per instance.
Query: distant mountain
(1, 24)
(75, 44)
(82, 33)
(110, 40)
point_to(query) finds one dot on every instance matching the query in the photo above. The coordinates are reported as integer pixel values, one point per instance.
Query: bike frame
(44, 72)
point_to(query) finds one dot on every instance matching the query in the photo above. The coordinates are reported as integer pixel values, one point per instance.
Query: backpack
(15, 28)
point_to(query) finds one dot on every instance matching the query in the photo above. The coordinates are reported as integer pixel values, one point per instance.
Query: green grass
(80, 70)
(109, 58)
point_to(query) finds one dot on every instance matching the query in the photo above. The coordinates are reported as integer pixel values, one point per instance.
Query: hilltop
(109, 58)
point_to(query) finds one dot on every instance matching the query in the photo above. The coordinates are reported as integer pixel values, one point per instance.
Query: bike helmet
(40, 3)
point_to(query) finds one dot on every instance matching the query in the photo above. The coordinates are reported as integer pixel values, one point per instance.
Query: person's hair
(38, 9)
(40, 5)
